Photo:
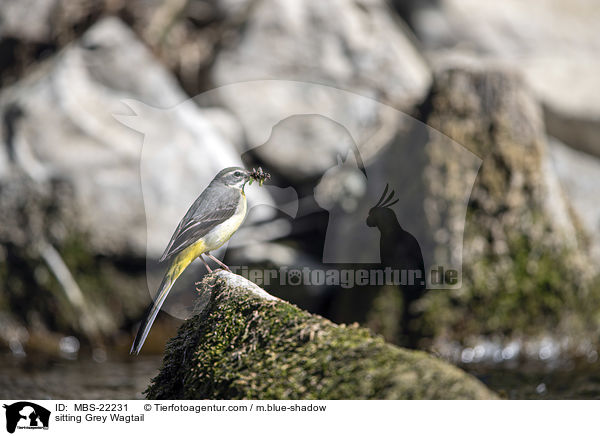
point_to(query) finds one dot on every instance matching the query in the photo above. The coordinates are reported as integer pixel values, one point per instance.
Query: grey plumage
(214, 206)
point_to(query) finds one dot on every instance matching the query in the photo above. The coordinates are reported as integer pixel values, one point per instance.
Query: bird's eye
(237, 174)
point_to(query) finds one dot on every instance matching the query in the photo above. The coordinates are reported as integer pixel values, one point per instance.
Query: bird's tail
(167, 283)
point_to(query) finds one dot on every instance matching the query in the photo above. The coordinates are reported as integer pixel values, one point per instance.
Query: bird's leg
(205, 264)
(218, 261)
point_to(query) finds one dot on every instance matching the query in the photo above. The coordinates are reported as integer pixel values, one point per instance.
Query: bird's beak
(246, 179)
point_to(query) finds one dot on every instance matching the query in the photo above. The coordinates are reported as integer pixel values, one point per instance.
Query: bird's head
(381, 212)
(234, 177)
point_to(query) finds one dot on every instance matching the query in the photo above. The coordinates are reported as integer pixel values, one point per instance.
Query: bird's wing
(207, 212)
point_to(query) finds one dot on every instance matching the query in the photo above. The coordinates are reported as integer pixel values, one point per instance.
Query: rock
(37, 15)
(478, 190)
(246, 344)
(359, 47)
(80, 189)
(553, 43)
(182, 34)
(32, 31)
(72, 99)
(497, 99)
(302, 55)
(579, 173)
(525, 269)
(51, 22)
(473, 183)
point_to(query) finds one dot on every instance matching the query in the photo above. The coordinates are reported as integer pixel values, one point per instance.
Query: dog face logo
(26, 415)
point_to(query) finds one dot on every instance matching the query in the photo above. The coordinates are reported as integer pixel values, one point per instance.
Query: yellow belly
(213, 240)
(186, 257)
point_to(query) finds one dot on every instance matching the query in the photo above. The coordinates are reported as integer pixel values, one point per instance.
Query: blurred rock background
(514, 82)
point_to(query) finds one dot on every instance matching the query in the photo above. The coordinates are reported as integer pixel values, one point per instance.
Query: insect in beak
(260, 175)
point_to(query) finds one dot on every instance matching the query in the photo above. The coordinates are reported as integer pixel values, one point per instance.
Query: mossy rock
(526, 272)
(245, 344)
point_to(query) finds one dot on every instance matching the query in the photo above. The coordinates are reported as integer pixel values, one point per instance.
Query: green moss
(385, 314)
(533, 291)
(242, 345)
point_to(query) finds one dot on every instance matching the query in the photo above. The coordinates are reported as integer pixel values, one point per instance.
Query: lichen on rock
(245, 344)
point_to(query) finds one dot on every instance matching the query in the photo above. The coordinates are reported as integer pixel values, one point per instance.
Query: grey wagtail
(211, 220)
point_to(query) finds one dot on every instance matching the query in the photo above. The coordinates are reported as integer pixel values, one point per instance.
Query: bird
(209, 222)
(401, 251)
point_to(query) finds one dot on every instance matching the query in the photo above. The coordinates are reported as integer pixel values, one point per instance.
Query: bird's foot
(205, 264)
(218, 261)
